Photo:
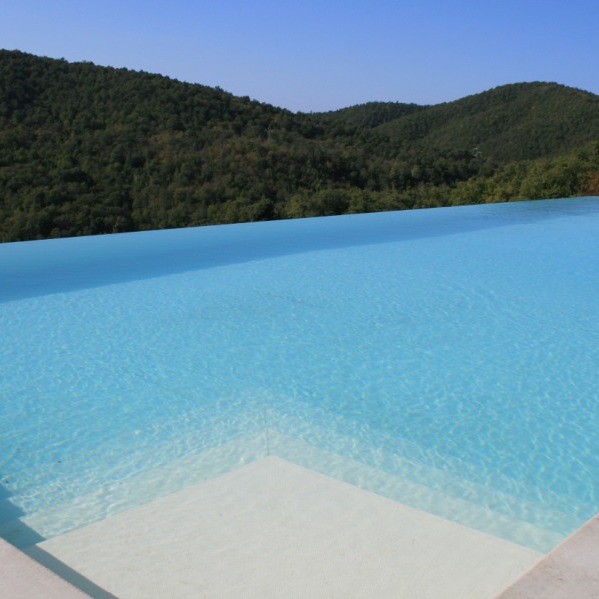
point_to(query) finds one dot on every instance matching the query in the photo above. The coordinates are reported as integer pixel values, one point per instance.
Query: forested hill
(87, 150)
(512, 122)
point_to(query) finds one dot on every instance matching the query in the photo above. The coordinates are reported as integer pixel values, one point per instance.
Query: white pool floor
(276, 529)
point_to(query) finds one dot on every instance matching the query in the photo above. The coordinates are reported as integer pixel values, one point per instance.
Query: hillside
(370, 115)
(513, 122)
(88, 150)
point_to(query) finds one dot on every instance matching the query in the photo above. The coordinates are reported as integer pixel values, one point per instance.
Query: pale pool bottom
(275, 529)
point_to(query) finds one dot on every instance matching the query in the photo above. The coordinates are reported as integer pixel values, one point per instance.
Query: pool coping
(570, 570)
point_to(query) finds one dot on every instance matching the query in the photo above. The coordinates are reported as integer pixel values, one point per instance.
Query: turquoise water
(446, 358)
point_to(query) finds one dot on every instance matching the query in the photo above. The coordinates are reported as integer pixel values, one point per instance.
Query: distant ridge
(512, 122)
(372, 114)
(518, 121)
(86, 149)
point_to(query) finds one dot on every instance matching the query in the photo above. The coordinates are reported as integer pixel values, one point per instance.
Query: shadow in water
(12, 529)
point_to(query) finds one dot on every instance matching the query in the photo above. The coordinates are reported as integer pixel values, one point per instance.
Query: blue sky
(310, 55)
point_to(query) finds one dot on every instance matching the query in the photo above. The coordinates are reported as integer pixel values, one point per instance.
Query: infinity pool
(445, 358)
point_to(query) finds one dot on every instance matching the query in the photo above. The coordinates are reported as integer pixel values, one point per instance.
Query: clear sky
(313, 55)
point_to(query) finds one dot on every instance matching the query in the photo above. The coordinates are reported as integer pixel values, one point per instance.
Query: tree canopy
(88, 150)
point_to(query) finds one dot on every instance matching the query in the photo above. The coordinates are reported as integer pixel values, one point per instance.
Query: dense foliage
(88, 150)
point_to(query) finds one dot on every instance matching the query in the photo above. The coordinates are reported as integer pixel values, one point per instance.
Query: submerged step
(112, 497)
(419, 496)
(275, 529)
(337, 447)
(321, 448)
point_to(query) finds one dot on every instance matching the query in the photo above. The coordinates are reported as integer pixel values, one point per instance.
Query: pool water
(445, 358)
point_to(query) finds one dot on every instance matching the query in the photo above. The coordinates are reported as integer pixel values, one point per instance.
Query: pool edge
(570, 570)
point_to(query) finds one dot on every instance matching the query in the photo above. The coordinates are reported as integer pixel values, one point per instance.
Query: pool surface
(444, 358)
